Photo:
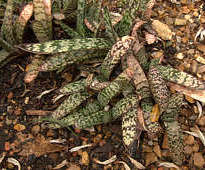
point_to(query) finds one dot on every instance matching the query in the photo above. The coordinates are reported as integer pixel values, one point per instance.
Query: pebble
(162, 29)
(189, 140)
(150, 158)
(198, 159)
(188, 150)
(50, 133)
(180, 22)
(35, 129)
(201, 121)
(195, 147)
(180, 56)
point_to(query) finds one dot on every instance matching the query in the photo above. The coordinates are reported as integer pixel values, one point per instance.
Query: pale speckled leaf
(66, 45)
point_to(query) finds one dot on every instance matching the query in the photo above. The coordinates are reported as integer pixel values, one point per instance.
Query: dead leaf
(162, 29)
(33, 69)
(168, 165)
(197, 133)
(39, 147)
(195, 94)
(125, 165)
(141, 118)
(157, 150)
(137, 164)
(14, 162)
(150, 158)
(44, 92)
(62, 164)
(200, 59)
(37, 112)
(155, 113)
(80, 147)
(73, 167)
(201, 47)
(2, 156)
(189, 99)
(199, 109)
(112, 159)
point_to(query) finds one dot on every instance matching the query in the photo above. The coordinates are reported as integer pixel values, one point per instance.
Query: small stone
(198, 159)
(195, 13)
(162, 29)
(150, 158)
(188, 150)
(180, 56)
(195, 147)
(179, 21)
(35, 129)
(187, 17)
(189, 140)
(201, 47)
(157, 150)
(50, 133)
(165, 144)
(201, 121)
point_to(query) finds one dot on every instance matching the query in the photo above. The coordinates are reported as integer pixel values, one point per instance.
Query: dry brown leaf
(33, 68)
(201, 69)
(200, 109)
(197, 133)
(40, 147)
(80, 147)
(62, 164)
(168, 165)
(2, 157)
(15, 162)
(73, 167)
(112, 159)
(195, 94)
(141, 118)
(201, 47)
(37, 112)
(162, 29)
(155, 113)
(136, 163)
(125, 165)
